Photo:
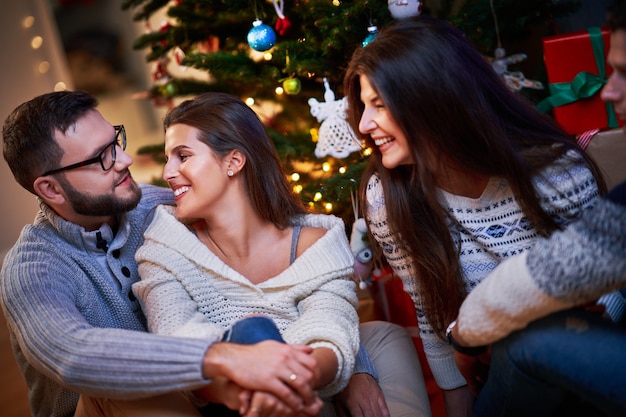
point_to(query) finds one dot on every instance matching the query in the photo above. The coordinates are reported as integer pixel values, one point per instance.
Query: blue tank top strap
(294, 243)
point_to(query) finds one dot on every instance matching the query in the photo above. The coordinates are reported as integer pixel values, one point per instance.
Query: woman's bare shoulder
(308, 236)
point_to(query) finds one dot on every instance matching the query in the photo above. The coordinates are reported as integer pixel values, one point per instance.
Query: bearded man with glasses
(76, 327)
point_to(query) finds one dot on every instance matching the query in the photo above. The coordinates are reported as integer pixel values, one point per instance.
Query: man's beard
(103, 205)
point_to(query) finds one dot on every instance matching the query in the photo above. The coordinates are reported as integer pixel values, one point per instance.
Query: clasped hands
(272, 379)
(267, 379)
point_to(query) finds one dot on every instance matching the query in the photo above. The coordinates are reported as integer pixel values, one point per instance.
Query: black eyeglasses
(106, 157)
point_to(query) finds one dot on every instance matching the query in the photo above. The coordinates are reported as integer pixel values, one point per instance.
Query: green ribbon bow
(584, 84)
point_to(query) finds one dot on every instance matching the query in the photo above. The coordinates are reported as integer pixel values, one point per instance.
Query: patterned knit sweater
(492, 228)
(572, 267)
(75, 326)
(186, 290)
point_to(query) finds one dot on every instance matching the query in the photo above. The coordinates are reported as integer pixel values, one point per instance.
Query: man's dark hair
(30, 147)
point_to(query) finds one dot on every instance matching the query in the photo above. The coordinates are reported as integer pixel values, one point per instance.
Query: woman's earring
(230, 172)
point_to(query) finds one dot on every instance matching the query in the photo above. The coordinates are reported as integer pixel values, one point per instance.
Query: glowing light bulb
(43, 67)
(28, 22)
(36, 42)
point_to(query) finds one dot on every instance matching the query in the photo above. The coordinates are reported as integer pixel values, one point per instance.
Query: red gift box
(571, 60)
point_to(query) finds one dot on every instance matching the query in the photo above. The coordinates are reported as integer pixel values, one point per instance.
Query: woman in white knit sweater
(463, 173)
(238, 244)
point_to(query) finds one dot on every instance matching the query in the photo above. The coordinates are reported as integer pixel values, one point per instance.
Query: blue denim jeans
(570, 363)
(251, 330)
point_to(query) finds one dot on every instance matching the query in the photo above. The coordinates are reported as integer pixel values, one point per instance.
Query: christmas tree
(287, 60)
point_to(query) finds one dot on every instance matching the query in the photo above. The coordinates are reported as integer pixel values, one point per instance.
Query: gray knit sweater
(76, 327)
(572, 267)
(186, 290)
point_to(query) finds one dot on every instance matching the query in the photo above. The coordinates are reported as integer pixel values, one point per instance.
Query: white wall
(20, 81)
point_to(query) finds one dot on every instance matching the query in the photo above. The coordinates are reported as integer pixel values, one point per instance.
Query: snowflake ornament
(515, 80)
(336, 138)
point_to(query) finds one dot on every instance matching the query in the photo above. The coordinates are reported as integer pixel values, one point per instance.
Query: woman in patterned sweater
(463, 173)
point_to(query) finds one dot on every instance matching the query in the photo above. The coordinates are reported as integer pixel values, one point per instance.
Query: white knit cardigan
(186, 290)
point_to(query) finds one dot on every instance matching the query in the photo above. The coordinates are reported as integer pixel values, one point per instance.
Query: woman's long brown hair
(449, 103)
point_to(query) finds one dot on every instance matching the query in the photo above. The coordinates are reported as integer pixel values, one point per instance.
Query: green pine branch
(319, 44)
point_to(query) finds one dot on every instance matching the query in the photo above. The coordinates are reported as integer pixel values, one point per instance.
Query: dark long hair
(449, 103)
(30, 147)
(226, 123)
(616, 15)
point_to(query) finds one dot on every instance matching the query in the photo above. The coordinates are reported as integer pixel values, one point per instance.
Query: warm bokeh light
(250, 101)
(295, 177)
(318, 196)
(36, 42)
(303, 166)
(43, 67)
(28, 22)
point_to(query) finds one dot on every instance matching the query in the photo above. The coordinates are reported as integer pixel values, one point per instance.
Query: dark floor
(13, 396)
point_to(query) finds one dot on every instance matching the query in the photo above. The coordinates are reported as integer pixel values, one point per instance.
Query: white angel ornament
(336, 138)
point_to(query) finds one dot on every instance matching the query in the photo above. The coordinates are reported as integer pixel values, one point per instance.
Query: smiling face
(615, 89)
(377, 122)
(197, 176)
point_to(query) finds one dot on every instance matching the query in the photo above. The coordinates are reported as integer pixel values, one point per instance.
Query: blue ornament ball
(261, 37)
(373, 31)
